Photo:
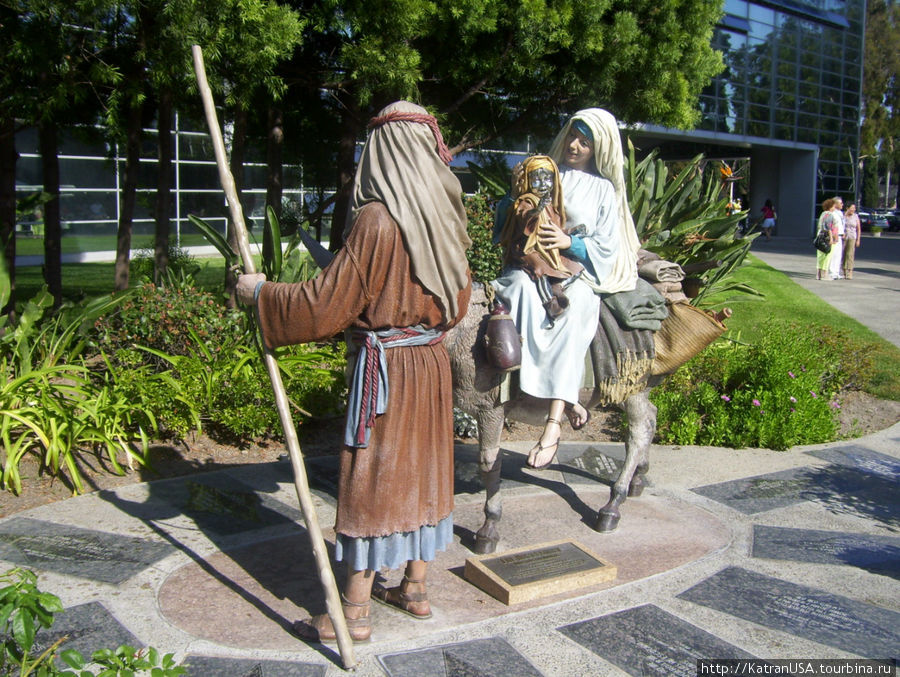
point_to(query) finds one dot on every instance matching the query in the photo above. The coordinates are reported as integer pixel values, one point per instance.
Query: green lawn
(72, 244)
(787, 301)
(95, 279)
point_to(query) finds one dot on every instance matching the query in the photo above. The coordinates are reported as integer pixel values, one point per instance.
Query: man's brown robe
(403, 480)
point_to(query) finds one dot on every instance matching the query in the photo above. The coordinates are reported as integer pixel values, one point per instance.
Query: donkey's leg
(641, 428)
(490, 427)
(643, 440)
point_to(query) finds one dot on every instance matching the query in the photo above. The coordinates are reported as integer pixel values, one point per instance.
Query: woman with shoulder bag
(826, 224)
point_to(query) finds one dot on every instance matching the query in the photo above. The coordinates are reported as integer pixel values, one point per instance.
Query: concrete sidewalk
(727, 554)
(872, 297)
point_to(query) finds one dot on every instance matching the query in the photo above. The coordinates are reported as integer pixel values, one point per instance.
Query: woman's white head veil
(404, 166)
(610, 164)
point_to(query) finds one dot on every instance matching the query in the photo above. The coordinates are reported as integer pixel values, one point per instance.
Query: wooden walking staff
(332, 596)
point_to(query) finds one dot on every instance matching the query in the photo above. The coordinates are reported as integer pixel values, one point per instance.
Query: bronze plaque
(535, 565)
(547, 569)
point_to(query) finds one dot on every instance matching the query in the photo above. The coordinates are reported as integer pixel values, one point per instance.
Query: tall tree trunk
(887, 175)
(164, 177)
(346, 165)
(274, 147)
(8, 157)
(52, 228)
(129, 195)
(238, 151)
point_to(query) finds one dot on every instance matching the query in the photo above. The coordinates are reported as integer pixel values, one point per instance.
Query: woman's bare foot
(578, 416)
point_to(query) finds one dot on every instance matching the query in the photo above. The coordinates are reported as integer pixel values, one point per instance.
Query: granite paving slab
(647, 640)
(592, 466)
(872, 552)
(861, 458)
(839, 488)
(491, 657)
(74, 551)
(863, 629)
(217, 503)
(245, 667)
(751, 495)
(88, 627)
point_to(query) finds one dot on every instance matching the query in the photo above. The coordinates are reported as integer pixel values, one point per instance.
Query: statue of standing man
(399, 283)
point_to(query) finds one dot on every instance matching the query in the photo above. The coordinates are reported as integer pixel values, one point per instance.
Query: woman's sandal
(403, 601)
(570, 413)
(320, 629)
(541, 448)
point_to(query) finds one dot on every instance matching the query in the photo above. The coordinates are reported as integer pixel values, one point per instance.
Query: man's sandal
(541, 448)
(320, 629)
(403, 601)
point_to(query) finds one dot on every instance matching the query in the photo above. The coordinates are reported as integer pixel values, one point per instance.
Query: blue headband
(582, 127)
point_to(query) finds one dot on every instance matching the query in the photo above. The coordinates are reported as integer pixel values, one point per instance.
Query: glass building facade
(793, 73)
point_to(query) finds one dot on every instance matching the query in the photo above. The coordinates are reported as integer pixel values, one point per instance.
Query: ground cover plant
(789, 302)
(25, 610)
(778, 375)
(777, 392)
(49, 404)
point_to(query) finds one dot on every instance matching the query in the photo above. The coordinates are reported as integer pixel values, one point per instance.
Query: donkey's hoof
(636, 488)
(607, 522)
(485, 545)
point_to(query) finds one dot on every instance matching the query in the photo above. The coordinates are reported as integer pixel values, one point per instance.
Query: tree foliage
(880, 133)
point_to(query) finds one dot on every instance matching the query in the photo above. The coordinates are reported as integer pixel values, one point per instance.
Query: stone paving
(728, 554)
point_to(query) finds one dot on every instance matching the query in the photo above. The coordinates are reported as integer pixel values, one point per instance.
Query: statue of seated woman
(594, 229)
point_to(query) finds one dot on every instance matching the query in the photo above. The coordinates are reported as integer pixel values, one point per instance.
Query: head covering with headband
(404, 165)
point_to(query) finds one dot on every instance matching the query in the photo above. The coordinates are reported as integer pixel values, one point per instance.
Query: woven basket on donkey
(684, 333)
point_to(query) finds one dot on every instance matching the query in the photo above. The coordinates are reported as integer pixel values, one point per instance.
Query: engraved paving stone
(861, 459)
(492, 657)
(527, 573)
(876, 553)
(646, 640)
(751, 495)
(589, 467)
(859, 628)
(85, 553)
(89, 627)
(217, 503)
(242, 667)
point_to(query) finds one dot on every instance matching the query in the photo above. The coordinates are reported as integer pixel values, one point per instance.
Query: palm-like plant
(49, 402)
(687, 219)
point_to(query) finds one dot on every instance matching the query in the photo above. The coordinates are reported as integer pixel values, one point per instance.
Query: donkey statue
(476, 391)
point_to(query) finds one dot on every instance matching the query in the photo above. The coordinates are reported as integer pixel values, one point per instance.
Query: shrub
(485, 257)
(161, 318)
(780, 392)
(182, 265)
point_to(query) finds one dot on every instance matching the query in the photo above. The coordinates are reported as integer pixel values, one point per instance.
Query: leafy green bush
(26, 609)
(225, 391)
(162, 318)
(485, 257)
(181, 266)
(778, 393)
